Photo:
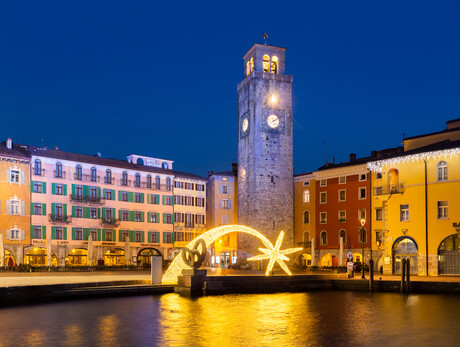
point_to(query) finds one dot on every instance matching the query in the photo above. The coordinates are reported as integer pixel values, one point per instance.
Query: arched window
(343, 236)
(274, 65)
(306, 217)
(306, 196)
(149, 181)
(137, 180)
(58, 171)
(442, 171)
(266, 63)
(108, 176)
(78, 172)
(306, 236)
(248, 68)
(168, 183)
(393, 181)
(38, 167)
(93, 174)
(124, 178)
(323, 237)
(157, 182)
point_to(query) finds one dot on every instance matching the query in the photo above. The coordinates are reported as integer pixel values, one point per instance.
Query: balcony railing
(123, 182)
(109, 180)
(306, 244)
(110, 221)
(59, 218)
(39, 172)
(389, 190)
(86, 177)
(59, 174)
(87, 198)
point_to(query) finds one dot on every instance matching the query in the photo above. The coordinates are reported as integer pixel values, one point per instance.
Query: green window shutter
(99, 213)
(149, 237)
(98, 192)
(120, 235)
(113, 194)
(73, 189)
(73, 233)
(158, 199)
(86, 212)
(86, 190)
(158, 217)
(44, 209)
(158, 237)
(99, 234)
(130, 196)
(132, 236)
(31, 231)
(64, 210)
(73, 211)
(53, 188)
(172, 200)
(142, 235)
(120, 214)
(103, 212)
(173, 237)
(163, 199)
(86, 233)
(148, 217)
(53, 208)
(142, 217)
(65, 232)
(53, 233)
(44, 187)
(120, 195)
(43, 232)
(32, 208)
(103, 234)
(142, 197)
(113, 213)
(131, 216)
(164, 218)
(114, 234)
(64, 189)
(31, 186)
(173, 218)
(164, 238)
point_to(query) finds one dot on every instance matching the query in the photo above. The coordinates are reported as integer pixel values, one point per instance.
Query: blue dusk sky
(158, 78)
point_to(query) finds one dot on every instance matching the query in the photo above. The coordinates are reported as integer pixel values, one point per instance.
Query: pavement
(13, 279)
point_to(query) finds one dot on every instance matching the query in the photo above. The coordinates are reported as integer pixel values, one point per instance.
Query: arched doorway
(9, 259)
(77, 257)
(114, 257)
(405, 248)
(38, 257)
(329, 259)
(143, 257)
(449, 256)
(393, 181)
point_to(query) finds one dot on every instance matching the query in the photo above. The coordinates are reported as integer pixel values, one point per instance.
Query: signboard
(349, 266)
(350, 256)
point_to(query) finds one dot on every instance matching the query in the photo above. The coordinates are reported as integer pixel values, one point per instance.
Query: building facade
(265, 189)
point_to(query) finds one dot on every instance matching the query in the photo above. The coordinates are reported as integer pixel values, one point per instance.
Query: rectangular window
(108, 214)
(78, 211)
(342, 216)
(78, 234)
(138, 197)
(154, 237)
(15, 176)
(443, 210)
(93, 193)
(224, 189)
(168, 218)
(37, 187)
(225, 203)
(58, 211)
(404, 213)
(167, 200)
(93, 213)
(378, 214)
(322, 197)
(108, 194)
(189, 186)
(78, 192)
(200, 187)
(37, 209)
(167, 237)
(153, 199)
(138, 236)
(342, 179)
(362, 214)
(124, 196)
(59, 190)
(200, 202)
(362, 193)
(124, 235)
(323, 183)
(323, 217)
(108, 235)
(362, 177)
(153, 217)
(93, 233)
(342, 195)
(306, 183)
(58, 233)
(179, 236)
(138, 217)
(38, 232)
(124, 215)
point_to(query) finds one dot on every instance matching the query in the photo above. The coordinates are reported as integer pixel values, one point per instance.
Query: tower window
(249, 66)
(274, 65)
(266, 63)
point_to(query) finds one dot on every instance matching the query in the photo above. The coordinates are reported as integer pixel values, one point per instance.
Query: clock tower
(265, 169)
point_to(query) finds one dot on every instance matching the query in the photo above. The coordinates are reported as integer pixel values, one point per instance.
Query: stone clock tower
(265, 169)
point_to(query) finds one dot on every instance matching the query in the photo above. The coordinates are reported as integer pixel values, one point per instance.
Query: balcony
(86, 177)
(87, 199)
(306, 244)
(110, 221)
(59, 218)
(109, 180)
(39, 172)
(124, 183)
(59, 174)
(389, 190)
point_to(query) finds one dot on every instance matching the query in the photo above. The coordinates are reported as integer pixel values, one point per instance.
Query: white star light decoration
(274, 254)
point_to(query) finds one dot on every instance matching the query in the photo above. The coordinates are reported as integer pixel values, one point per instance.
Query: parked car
(357, 267)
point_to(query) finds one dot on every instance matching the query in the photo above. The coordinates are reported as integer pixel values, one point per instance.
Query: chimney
(352, 156)
(9, 143)
(56, 148)
(235, 169)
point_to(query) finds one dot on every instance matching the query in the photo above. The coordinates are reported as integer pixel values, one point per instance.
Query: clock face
(273, 121)
(245, 124)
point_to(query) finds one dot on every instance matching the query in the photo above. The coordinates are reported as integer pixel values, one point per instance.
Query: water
(313, 319)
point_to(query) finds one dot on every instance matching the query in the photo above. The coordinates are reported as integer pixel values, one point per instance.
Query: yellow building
(304, 216)
(221, 210)
(14, 204)
(415, 203)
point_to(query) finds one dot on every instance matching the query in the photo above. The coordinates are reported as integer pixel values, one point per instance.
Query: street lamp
(362, 230)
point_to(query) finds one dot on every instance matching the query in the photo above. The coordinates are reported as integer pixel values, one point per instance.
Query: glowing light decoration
(274, 254)
(376, 166)
(178, 264)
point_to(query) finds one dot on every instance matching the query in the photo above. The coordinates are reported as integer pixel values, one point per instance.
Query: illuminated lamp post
(362, 230)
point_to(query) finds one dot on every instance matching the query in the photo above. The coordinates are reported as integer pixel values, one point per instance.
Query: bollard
(371, 275)
(407, 275)
(403, 275)
(156, 269)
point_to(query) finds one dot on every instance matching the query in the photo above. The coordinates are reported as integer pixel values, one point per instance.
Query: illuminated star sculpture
(274, 254)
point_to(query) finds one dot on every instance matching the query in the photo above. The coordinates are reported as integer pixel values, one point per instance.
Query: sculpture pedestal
(191, 282)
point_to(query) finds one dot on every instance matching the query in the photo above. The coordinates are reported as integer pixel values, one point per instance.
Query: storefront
(38, 257)
(449, 256)
(77, 257)
(143, 258)
(114, 257)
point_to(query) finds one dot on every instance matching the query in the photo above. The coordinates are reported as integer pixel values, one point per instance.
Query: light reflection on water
(314, 319)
